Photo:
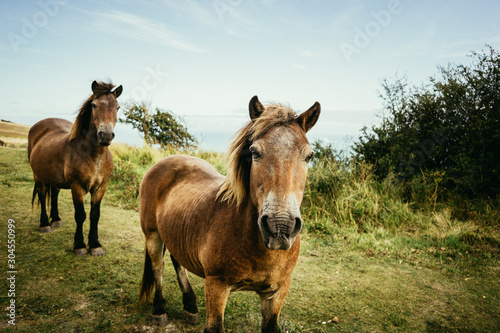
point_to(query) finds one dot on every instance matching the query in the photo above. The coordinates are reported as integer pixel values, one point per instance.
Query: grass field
(373, 278)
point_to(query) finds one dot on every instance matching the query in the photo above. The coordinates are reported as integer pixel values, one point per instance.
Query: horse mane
(82, 120)
(237, 182)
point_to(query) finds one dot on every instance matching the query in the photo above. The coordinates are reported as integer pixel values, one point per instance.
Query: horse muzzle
(104, 137)
(279, 231)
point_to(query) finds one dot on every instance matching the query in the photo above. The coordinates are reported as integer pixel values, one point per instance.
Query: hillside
(13, 135)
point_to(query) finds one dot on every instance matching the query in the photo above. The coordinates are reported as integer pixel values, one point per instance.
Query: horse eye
(93, 105)
(255, 153)
(308, 157)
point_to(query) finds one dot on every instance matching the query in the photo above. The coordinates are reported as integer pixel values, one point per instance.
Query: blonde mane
(236, 185)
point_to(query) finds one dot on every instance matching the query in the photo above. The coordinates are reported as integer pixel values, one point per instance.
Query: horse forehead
(105, 101)
(285, 138)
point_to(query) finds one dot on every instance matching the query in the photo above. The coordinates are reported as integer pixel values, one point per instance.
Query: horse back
(51, 130)
(176, 177)
(177, 196)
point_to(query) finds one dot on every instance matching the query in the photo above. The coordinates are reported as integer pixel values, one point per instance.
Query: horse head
(104, 112)
(280, 153)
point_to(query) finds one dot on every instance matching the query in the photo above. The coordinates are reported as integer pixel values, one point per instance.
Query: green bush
(447, 127)
(347, 195)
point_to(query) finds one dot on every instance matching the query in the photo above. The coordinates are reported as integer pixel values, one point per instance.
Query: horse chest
(98, 168)
(91, 173)
(262, 283)
(263, 274)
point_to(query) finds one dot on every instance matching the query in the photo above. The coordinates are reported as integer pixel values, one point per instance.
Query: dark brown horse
(239, 232)
(75, 156)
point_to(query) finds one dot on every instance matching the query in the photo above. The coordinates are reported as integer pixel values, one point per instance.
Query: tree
(160, 127)
(451, 126)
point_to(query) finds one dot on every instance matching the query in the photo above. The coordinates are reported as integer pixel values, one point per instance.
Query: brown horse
(75, 156)
(239, 232)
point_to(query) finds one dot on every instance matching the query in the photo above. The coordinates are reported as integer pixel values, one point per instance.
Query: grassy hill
(367, 258)
(13, 135)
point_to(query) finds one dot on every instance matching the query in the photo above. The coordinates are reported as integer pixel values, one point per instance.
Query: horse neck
(88, 140)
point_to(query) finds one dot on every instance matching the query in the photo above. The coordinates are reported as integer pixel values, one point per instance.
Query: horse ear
(94, 86)
(309, 118)
(255, 108)
(118, 91)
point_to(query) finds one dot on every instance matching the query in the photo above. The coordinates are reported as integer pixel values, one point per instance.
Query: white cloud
(139, 28)
(229, 16)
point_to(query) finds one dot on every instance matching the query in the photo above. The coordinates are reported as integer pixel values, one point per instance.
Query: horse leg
(44, 219)
(54, 210)
(188, 296)
(156, 250)
(95, 212)
(270, 306)
(216, 294)
(78, 193)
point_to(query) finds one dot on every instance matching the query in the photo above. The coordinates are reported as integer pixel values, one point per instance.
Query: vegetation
(367, 258)
(159, 127)
(447, 131)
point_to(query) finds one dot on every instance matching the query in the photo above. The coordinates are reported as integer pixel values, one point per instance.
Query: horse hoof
(45, 230)
(81, 252)
(56, 224)
(191, 318)
(96, 252)
(160, 320)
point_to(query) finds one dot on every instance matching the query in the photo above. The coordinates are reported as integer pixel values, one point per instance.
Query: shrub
(448, 127)
(160, 127)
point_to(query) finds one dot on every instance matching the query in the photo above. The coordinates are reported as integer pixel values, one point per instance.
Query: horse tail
(35, 193)
(148, 280)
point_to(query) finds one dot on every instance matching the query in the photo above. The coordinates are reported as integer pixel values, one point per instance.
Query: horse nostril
(298, 226)
(264, 224)
(112, 136)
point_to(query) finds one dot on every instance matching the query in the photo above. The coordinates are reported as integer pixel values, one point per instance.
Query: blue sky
(204, 60)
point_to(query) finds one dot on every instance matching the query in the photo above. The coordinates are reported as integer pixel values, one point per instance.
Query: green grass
(367, 257)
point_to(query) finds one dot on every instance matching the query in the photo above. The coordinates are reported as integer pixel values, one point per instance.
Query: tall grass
(130, 165)
(344, 197)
